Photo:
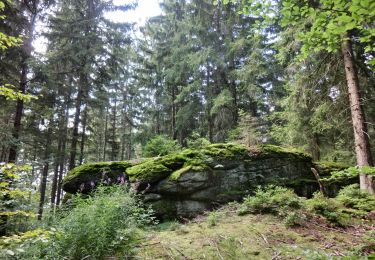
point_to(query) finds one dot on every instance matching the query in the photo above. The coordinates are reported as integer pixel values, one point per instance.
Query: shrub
(15, 208)
(213, 218)
(272, 199)
(104, 224)
(195, 141)
(352, 197)
(351, 172)
(294, 218)
(160, 145)
(329, 208)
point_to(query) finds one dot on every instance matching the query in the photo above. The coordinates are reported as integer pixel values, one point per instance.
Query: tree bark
(361, 138)
(43, 183)
(114, 125)
(19, 113)
(83, 136)
(174, 132)
(63, 152)
(26, 54)
(79, 102)
(56, 173)
(105, 135)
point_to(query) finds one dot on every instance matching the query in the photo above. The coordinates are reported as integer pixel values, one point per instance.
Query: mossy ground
(224, 234)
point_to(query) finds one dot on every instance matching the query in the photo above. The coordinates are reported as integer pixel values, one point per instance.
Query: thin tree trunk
(82, 148)
(77, 120)
(361, 138)
(73, 146)
(105, 134)
(19, 113)
(209, 105)
(123, 137)
(43, 183)
(26, 54)
(129, 152)
(113, 148)
(174, 132)
(315, 147)
(56, 173)
(63, 152)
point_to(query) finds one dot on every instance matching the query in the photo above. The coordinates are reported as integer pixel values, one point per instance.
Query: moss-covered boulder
(189, 182)
(86, 177)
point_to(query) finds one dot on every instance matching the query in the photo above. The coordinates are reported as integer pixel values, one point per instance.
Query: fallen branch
(321, 186)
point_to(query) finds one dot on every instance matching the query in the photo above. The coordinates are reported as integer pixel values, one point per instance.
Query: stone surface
(193, 181)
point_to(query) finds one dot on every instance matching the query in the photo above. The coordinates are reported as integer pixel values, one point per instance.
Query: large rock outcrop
(192, 181)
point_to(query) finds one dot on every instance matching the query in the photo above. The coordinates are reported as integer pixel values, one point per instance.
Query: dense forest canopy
(291, 73)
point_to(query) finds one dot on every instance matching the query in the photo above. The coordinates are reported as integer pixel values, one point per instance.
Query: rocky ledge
(187, 183)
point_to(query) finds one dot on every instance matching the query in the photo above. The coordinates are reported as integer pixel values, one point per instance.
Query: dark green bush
(329, 208)
(294, 218)
(352, 197)
(160, 145)
(272, 199)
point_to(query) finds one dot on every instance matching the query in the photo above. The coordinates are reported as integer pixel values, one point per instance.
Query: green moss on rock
(148, 171)
(268, 149)
(325, 168)
(176, 174)
(225, 151)
(93, 172)
(92, 169)
(175, 164)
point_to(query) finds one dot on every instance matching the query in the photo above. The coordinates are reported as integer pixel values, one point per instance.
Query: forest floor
(223, 234)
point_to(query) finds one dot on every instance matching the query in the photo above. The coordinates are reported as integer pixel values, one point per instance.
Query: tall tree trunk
(43, 183)
(56, 171)
(129, 151)
(209, 104)
(174, 132)
(77, 120)
(19, 113)
(361, 138)
(105, 134)
(114, 123)
(83, 136)
(63, 150)
(315, 147)
(26, 54)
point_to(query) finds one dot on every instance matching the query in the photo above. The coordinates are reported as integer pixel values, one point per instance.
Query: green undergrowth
(326, 168)
(110, 222)
(350, 205)
(348, 174)
(352, 197)
(274, 223)
(272, 199)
